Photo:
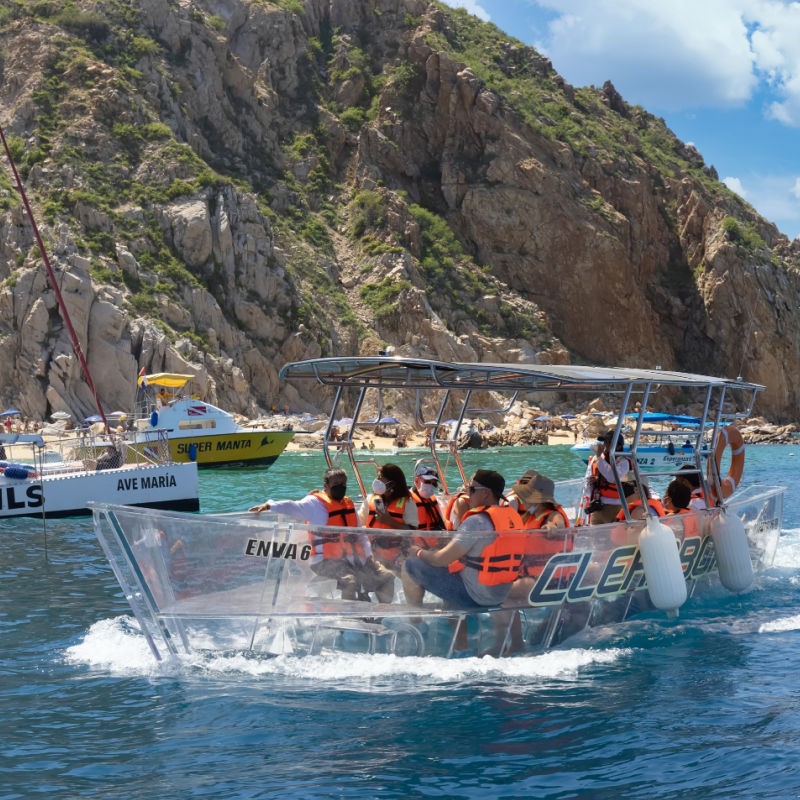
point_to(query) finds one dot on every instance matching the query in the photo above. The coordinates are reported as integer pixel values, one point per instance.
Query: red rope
(76, 345)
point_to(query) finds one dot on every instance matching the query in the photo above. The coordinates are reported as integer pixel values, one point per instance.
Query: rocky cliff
(227, 185)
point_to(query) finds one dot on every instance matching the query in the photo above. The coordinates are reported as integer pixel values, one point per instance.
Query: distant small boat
(669, 447)
(197, 430)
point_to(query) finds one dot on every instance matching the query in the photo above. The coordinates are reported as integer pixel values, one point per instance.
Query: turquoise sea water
(703, 706)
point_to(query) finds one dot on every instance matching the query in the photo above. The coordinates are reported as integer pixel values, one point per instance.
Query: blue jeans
(441, 582)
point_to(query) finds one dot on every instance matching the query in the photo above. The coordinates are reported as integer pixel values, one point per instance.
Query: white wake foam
(788, 553)
(790, 623)
(117, 646)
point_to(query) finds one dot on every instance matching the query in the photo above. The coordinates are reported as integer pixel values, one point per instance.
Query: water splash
(117, 646)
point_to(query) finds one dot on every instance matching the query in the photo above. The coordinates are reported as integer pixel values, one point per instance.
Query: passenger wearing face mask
(426, 482)
(346, 557)
(390, 507)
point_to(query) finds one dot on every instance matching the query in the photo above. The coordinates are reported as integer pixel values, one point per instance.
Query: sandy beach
(312, 441)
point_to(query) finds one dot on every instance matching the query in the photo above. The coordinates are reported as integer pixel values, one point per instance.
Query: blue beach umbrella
(390, 421)
(10, 412)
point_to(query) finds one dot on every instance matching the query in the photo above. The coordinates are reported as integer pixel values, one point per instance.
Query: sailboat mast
(76, 345)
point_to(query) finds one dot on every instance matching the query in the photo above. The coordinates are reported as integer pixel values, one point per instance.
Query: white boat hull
(173, 486)
(648, 457)
(202, 432)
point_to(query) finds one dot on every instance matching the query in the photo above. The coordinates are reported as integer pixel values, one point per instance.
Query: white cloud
(670, 54)
(735, 185)
(776, 31)
(472, 6)
(678, 54)
(777, 198)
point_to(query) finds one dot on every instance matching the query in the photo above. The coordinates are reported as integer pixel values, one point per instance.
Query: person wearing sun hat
(550, 533)
(536, 493)
(542, 513)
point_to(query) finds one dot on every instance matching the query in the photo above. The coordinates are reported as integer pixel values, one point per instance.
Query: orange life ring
(729, 436)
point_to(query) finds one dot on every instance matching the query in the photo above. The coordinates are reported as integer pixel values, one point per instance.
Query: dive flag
(142, 382)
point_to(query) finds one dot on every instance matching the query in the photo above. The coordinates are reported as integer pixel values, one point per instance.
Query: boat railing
(78, 451)
(45, 455)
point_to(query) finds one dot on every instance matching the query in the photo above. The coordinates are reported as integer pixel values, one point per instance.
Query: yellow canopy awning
(171, 380)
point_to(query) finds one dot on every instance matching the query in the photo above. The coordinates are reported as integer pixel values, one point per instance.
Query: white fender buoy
(733, 552)
(662, 566)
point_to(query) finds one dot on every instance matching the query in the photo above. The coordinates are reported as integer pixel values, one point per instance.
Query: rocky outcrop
(264, 185)
(762, 432)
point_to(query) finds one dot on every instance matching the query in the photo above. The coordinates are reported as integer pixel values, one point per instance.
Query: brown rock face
(283, 185)
(628, 267)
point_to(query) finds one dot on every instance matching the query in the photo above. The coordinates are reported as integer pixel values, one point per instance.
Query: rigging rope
(76, 345)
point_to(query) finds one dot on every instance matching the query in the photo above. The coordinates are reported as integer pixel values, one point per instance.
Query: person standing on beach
(347, 558)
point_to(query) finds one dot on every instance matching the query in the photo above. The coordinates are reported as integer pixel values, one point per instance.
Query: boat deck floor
(255, 600)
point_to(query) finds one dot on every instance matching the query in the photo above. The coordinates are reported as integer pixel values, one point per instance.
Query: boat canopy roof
(455, 385)
(657, 416)
(170, 380)
(419, 373)
(22, 438)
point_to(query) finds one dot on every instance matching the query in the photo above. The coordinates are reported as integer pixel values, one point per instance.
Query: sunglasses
(432, 482)
(473, 488)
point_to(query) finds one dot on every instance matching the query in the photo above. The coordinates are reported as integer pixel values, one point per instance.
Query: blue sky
(724, 75)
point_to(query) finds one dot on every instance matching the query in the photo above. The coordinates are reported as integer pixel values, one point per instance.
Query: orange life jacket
(605, 488)
(691, 525)
(388, 546)
(538, 546)
(341, 513)
(430, 519)
(500, 560)
(534, 523)
(656, 508)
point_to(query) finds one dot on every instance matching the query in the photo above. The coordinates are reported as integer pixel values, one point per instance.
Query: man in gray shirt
(479, 528)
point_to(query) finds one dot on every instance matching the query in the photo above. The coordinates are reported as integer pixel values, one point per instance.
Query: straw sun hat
(534, 487)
